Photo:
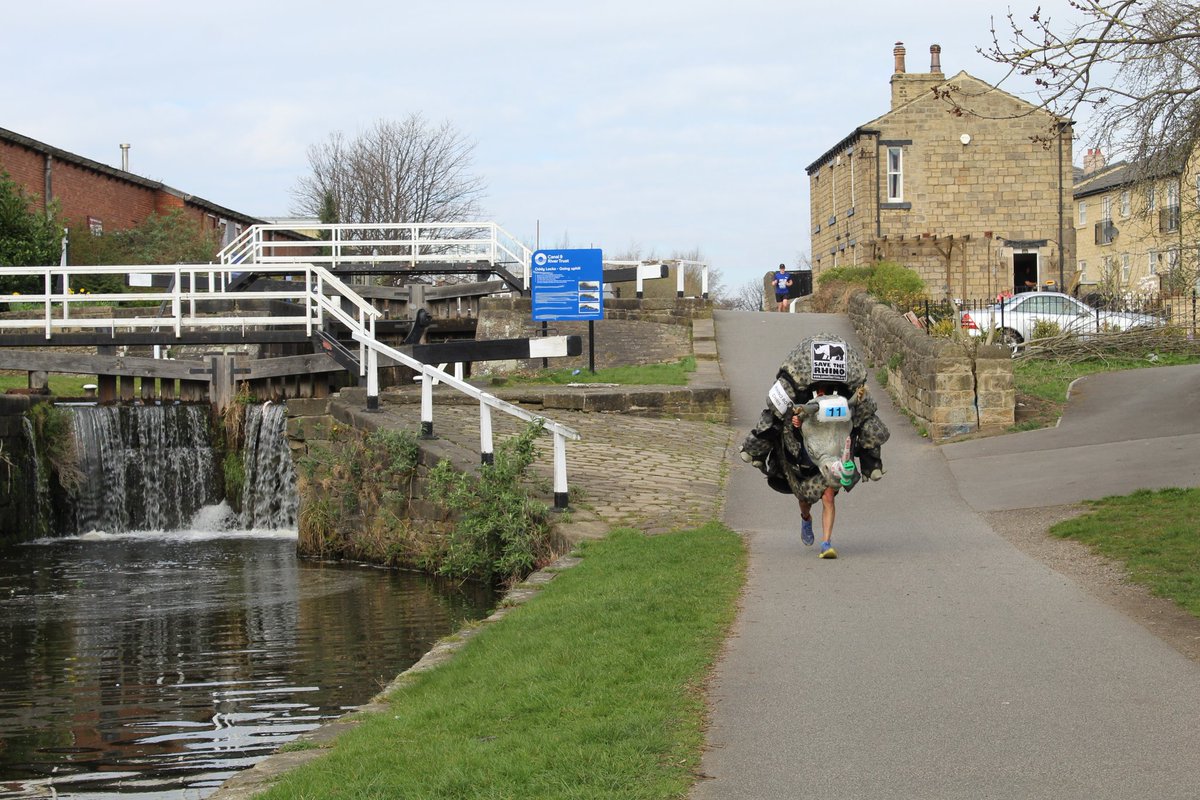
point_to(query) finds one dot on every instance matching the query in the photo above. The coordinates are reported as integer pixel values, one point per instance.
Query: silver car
(1014, 318)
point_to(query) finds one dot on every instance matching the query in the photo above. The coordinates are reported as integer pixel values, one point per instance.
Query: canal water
(155, 665)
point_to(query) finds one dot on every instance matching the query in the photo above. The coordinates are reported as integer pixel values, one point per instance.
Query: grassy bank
(60, 385)
(592, 689)
(1155, 534)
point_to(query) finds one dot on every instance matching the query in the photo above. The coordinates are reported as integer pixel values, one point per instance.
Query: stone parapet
(950, 387)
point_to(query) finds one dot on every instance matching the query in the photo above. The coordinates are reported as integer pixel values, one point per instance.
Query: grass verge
(592, 689)
(60, 385)
(1042, 384)
(1156, 534)
(674, 374)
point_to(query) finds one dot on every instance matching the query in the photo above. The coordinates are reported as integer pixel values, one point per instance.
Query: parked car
(1014, 318)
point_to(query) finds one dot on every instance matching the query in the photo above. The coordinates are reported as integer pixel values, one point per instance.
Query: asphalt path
(932, 659)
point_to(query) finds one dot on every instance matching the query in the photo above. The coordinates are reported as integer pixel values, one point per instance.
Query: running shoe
(827, 550)
(806, 531)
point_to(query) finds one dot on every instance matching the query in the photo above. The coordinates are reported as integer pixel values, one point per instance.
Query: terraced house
(1138, 226)
(967, 184)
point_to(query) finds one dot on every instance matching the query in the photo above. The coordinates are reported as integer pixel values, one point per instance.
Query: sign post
(569, 285)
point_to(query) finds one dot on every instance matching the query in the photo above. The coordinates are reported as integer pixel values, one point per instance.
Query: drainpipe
(48, 189)
(1062, 256)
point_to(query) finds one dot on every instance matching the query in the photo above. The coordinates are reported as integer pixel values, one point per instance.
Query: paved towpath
(933, 659)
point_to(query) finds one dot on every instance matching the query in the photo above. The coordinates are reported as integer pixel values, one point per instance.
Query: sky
(655, 127)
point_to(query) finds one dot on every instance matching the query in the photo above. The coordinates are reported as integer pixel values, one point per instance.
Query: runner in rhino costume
(823, 382)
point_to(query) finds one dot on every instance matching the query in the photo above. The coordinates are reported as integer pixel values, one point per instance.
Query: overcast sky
(658, 125)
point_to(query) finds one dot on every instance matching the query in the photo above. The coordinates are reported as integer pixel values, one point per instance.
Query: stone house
(1137, 226)
(965, 183)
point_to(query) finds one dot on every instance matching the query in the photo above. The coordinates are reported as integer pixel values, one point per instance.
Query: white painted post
(48, 283)
(176, 308)
(704, 281)
(426, 404)
(679, 271)
(561, 491)
(487, 453)
(372, 379)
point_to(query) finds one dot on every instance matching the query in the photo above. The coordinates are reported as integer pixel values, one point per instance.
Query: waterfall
(39, 481)
(144, 467)
(269, 499)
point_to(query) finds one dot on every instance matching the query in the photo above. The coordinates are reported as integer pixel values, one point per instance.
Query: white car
(1014, 318)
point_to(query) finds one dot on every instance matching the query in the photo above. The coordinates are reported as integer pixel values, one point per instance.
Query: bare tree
(750, 296)
(1132, 66)
(406, 171)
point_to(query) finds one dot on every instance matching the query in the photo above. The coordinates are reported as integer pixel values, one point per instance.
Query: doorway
(1025, 272)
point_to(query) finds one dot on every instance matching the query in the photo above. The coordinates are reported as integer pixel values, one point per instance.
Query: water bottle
(848, 473)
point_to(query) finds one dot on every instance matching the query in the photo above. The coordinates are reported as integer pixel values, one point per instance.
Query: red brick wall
(26, 168)
(83, 192)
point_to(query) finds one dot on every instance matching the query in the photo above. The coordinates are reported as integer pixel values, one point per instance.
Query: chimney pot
(898, 52)
(935, 58)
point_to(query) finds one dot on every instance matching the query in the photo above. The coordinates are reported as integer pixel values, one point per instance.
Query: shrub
(501, 533)
(1045, 329)
(896, 285)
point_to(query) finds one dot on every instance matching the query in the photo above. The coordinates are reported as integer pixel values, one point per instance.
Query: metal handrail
(409, 243)
(323, 294)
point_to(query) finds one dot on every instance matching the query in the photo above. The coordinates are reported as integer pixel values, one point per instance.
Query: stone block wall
(952, 388)
(648, 331)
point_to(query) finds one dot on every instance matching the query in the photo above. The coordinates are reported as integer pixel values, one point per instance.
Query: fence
(1037, 314)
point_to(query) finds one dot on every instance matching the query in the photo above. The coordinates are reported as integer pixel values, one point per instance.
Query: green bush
(846, 274)
(1045, 329)
(896, 285)
(28, 238)
(501, 533)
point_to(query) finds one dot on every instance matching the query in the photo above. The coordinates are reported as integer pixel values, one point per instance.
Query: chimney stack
(125, 158)
(898, 52)
(1093, 161)
(935, 58)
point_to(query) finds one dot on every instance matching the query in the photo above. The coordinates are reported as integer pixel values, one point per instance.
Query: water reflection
(155, 665)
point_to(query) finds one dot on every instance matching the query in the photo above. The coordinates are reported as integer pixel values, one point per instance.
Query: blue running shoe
(827, 550)
(806, 531)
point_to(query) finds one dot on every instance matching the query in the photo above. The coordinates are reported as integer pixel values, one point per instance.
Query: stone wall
(17, 503)
(951, 388)
(648, 331)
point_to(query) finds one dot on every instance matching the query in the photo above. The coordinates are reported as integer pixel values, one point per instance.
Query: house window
(1152, 263)
(1150, 198)
(1107, 209)
(1082, 213)
(1125, 203)
(1125, 267)
(1083, 271)
(95, 226)
(895, 174)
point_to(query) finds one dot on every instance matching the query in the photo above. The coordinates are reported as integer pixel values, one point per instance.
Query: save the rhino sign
(829, 361)
(567, 284)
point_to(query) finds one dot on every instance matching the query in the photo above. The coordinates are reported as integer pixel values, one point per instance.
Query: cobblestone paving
(652, 474)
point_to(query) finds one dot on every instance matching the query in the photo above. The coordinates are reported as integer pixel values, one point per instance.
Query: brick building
(1137, 226)
(97, 198)
(961, 181)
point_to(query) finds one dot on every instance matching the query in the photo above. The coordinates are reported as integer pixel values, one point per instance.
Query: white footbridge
(207, 297)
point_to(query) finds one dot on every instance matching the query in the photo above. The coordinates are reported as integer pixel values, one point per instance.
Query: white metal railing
(648, 269)
(322, 294)
(408, 243)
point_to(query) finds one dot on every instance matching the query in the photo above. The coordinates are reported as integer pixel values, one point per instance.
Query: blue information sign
(567, 284)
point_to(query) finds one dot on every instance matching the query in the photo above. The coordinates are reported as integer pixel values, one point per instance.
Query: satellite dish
(965, 138)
